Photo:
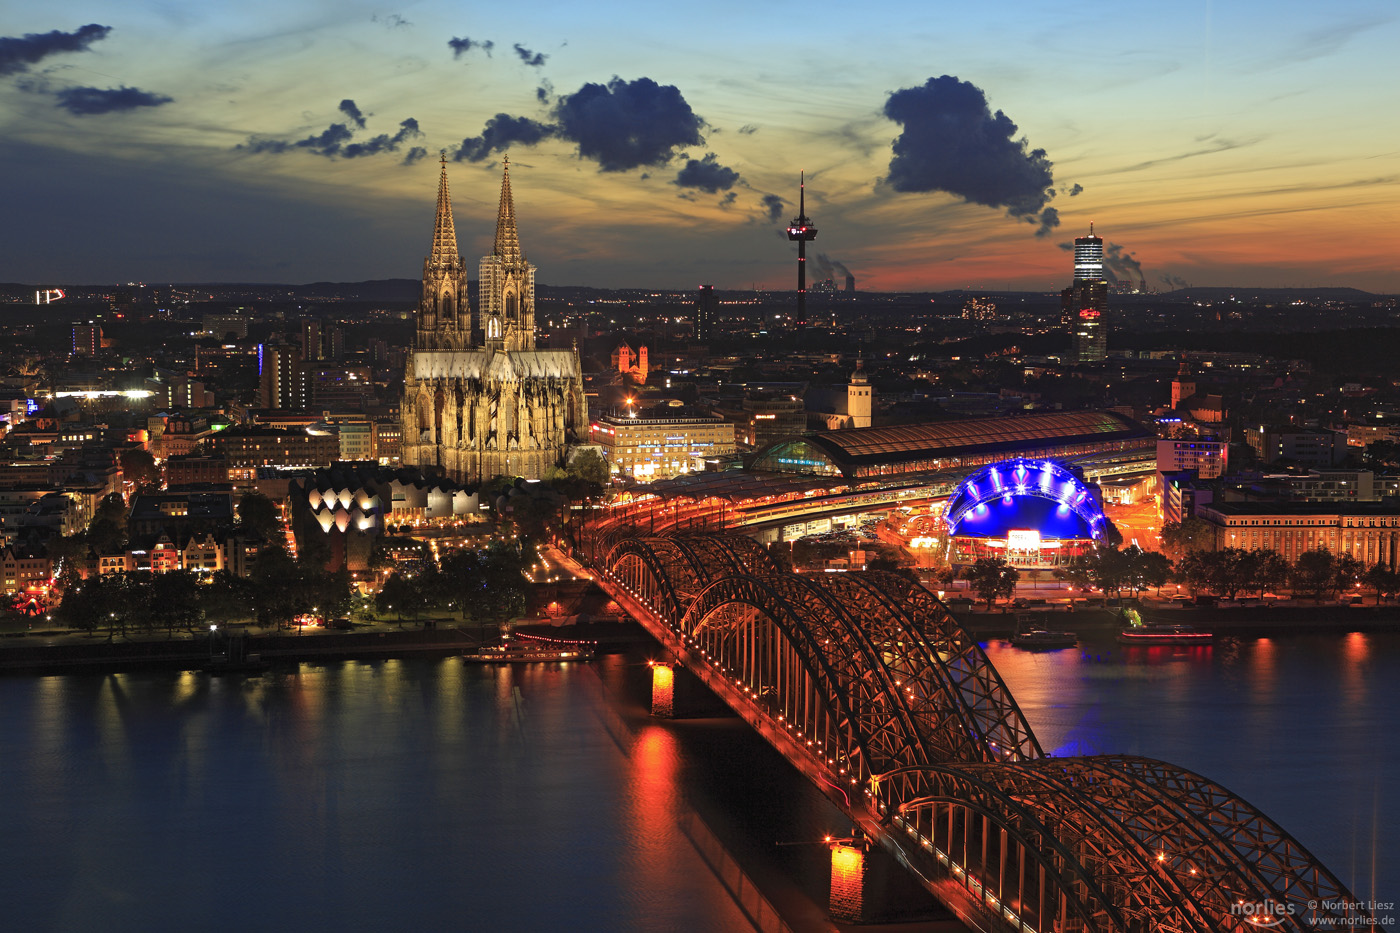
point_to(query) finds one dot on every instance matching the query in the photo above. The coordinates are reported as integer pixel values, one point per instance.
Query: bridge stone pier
(868, 686)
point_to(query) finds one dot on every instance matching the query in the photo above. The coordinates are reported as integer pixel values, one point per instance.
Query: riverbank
(1244, 622)
(59, 650)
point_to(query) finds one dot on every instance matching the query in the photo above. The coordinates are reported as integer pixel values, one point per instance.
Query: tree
(259, 515)
(1078, 571)
(1349, 571)
(992, 578)
(138, 466)
(175, 601)
(1191, 534)
(1315, 572)
(1194, 570)
(1155, 569)
(1271, 570)
(1383, 580)
(897, 564)
(589, 467)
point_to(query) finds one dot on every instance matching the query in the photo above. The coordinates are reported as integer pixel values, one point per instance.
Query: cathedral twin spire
(506, 298)
(507, 237)
(444, 233)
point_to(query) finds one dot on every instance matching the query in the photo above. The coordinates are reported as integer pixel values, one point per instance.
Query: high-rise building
(479, 400)
(1082, 305)
(1088, 257)
(311, 346)
(87, 339)
(282, 377)
(705, 312)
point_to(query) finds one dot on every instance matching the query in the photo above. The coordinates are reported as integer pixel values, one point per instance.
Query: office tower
(704, 312)
(1082, 304)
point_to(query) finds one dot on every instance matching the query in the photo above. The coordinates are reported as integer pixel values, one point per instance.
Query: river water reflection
(432, 794)
(1305, 727)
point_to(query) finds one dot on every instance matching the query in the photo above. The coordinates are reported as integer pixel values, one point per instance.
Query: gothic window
(510, 306)
(439, 403)
(458, 404)
(493, 328)
(447, 307)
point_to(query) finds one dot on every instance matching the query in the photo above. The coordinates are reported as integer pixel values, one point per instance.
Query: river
(432, 794)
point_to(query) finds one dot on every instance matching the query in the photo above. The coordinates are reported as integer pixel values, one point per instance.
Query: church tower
(444, 311)
(859, 401)
(1184, 385)
(507, 283)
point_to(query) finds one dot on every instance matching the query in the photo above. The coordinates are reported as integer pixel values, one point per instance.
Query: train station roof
(940, 444)
(735, 485)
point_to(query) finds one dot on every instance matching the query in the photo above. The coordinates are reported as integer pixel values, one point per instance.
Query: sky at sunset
(946, 145)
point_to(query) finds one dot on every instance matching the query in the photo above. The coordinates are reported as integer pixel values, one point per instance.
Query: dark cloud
(463, 45)
(327, 142)
(1047, 220)
(417, 153)
(953, 142)
(748, 129)
(408, 129)
(335, 140)
(533, 59)
(1077, 189)
(17, 54)
(347, 107)
(627, 124)
(774, 206)
(707, 175)
(729, 199)
(392, 21)
(545, 92)
(91, 101)
(1174, 281)
(500, 133)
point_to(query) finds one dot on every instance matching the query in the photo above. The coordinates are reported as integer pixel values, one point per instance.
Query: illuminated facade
(1034, 513)
(1370, 532)
(479, 400)
(1082, 304)
(660, 447)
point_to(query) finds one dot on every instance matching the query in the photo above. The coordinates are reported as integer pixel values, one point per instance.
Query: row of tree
(1228, 573)
(486, 586)
(278, 590)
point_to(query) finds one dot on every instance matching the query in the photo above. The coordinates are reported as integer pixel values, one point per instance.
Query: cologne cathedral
(479, 400)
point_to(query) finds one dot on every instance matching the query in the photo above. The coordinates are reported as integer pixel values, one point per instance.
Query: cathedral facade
(479, 400)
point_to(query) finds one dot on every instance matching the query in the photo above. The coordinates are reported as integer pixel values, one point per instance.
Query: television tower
(801, 230)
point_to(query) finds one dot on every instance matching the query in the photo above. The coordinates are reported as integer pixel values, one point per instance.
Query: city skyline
(299, 142)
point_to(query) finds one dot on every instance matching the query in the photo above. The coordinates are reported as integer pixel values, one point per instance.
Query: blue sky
(1214, 142)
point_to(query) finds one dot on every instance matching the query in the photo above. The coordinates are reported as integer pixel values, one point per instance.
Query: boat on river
(1034, 637)
(527, 650)
(1039, 638)
(1164, 633)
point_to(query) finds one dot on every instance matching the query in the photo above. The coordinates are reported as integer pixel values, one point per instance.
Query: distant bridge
(870, 688)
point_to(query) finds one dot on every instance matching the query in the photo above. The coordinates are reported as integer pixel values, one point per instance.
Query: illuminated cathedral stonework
(479, 400)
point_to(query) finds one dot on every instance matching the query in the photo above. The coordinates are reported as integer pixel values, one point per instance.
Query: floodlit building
(1037, 514)
(661, 443)
(1082, 305)
(479, 400)
(1370, 532)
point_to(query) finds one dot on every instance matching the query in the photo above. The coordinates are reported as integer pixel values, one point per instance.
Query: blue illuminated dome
(1039, 495)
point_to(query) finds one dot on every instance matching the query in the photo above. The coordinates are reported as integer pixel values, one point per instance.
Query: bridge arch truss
(868, 685)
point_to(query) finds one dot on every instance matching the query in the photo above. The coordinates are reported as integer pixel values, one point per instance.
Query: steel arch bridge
(867, 685)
